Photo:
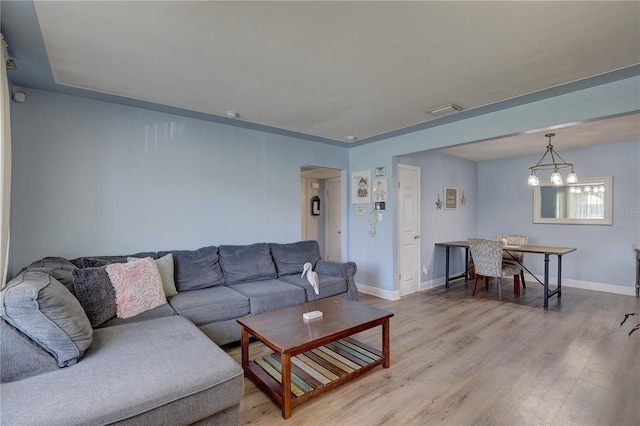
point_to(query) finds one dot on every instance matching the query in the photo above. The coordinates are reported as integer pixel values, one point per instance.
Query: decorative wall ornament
(439, 203)
(373, 220)
(380, 171)
(450, 198)
(463, 199)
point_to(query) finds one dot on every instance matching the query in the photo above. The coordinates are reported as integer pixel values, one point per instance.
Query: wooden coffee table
(313, 356)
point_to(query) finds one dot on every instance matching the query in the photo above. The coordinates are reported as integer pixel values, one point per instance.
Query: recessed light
(232, 114)
(445, 110)
(351, 139)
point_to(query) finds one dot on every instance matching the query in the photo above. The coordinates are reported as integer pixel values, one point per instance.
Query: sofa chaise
(70, 355)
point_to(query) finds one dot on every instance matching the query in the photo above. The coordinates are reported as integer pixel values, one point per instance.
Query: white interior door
(333, 225)
(408, 228)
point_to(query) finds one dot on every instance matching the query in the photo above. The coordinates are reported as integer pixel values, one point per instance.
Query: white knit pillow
(138, 287)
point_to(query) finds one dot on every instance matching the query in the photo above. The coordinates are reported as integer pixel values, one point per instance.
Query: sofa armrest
(345, 270)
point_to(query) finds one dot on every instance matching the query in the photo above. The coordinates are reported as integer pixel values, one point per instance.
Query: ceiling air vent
(445, 110)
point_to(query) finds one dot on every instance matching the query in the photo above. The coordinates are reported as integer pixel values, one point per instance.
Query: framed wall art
(379, 189)
(450, 198)
(360, 187)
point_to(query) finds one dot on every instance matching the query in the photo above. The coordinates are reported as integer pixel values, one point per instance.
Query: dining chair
(487, 259)
(514, 240)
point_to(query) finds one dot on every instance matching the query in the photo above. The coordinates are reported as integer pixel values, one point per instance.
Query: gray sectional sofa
(67, 359)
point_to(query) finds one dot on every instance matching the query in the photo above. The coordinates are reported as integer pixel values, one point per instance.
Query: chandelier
(557, 163)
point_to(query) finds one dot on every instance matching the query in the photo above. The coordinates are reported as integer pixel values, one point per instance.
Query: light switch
(380, 217)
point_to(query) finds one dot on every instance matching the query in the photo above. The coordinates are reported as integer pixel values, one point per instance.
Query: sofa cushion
(21, 357)
(165, 267)
(164, 371)
(138, 286)
(211, 304)
(43, 309)
(290, 258)
(270, 295)
(327, 284)
(161, 311)
(196, 269)
(247, 263)
(95, 293)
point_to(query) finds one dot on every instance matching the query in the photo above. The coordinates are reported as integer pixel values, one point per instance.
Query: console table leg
(546, 280)
(466, 265)
(559, 276)
(446, 268)
(286, 385)
(637, 270)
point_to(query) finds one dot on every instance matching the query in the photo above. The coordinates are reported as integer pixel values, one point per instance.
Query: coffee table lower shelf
(315, 371)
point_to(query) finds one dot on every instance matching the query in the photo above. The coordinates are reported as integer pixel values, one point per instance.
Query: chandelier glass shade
(554, 162)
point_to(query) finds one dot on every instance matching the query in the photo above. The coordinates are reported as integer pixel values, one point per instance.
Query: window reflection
(586, 202)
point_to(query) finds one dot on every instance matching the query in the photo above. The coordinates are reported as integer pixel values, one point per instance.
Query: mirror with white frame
(588, 202)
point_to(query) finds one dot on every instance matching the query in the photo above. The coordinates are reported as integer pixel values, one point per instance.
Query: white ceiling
(571, 135)
(335, 69)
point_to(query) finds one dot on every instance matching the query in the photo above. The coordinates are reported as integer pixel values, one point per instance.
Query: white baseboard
(439, 282)
(593, 286)
(378, 292)
(428, 285)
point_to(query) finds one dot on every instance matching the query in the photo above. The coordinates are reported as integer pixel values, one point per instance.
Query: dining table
(547, 251)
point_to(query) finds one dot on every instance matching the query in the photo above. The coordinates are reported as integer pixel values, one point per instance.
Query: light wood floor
(463, 360)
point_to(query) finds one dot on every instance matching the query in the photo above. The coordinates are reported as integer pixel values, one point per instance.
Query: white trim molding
(378, 292)
(439, 282)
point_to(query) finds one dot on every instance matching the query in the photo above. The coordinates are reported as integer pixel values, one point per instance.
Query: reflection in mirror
(587, 202)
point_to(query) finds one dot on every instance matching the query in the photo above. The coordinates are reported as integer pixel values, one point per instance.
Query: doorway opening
(321, 209)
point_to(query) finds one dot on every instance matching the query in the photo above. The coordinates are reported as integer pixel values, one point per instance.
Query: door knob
(339, 232)
(416, 237)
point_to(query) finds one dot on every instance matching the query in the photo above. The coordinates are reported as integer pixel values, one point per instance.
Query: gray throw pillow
(196, 269)
(290, 258)
(247, 263)
(39, 306)
(95, 293)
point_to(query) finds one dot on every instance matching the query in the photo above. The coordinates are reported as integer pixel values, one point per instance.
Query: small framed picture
(361, 212)
(360, 187)
(380, 171)
(379, 189)
(450, 198)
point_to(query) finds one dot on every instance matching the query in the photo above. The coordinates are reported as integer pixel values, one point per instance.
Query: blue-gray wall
(96, 178)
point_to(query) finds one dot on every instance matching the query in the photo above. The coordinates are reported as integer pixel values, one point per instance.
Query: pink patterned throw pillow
(138, 286)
